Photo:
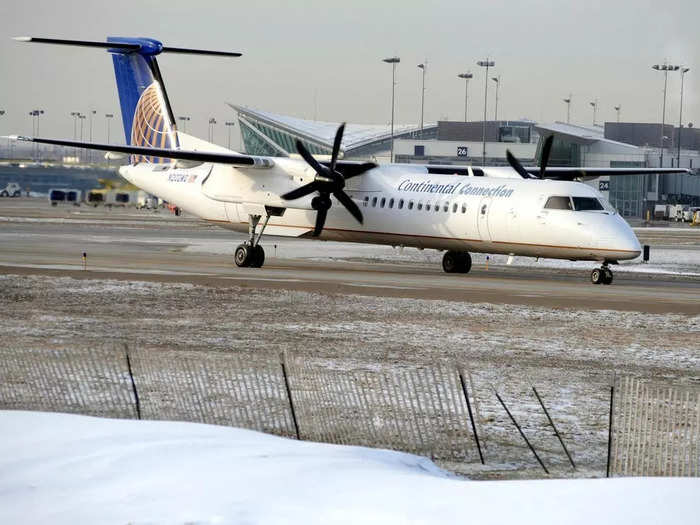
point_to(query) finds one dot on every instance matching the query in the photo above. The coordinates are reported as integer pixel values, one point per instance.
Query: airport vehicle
(661, 212)
(64, 196)
(11, 190)
(517, 210)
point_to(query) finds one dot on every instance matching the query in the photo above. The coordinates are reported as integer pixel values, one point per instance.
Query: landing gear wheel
(607, 276)
(450, 262)
(465, 262)
(456, 262)
(258, 257)
(597, 276)
(243, 256)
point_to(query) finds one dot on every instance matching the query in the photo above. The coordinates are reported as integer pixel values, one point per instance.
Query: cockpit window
(587, 204)
(558, 203)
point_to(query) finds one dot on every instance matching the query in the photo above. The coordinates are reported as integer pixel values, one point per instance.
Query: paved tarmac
(146, 246)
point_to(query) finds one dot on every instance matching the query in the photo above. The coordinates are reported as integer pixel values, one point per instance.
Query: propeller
(328, 181)
(544, 160)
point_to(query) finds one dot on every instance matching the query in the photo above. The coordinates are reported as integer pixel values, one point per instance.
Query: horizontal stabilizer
(127, 45)
(230, 159)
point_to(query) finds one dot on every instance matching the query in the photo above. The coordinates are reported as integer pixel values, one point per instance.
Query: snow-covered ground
(67, 469)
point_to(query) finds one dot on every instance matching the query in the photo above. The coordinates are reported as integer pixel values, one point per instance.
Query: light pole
(35, 114)
(568, 108)
(109, 117)
(92, 112)
(497, 80)
(594, 105)
(617, 109)
(2, 113)
(393, 61)
(665, 68)
(229, 125)
(487, 64)
(680, 118)
(212, 122)
(184, 120)
(466, 77)
(422, 67)
(82, 118)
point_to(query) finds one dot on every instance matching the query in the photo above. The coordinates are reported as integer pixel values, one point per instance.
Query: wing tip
(22, 38)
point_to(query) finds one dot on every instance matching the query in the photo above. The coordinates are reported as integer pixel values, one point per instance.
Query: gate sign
(461, 151)
(604, 185)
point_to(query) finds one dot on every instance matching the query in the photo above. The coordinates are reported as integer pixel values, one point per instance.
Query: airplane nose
(627, 240)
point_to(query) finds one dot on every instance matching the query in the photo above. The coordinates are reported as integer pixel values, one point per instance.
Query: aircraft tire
(451, 262)
(597, 276)
(243, 256)
(607, 276)
(465, 262)
(258, 257)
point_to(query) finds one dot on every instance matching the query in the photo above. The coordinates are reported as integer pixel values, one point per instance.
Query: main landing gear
(456, 262)
(250, 254)
(602, 275)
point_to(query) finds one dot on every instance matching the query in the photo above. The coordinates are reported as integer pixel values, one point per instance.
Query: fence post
(610, 427)
(532, 449)
(556, 432)
(471, 416)
(133, 383)
(289, 396)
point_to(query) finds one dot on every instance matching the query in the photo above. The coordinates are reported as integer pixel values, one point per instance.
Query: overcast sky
(324, 57)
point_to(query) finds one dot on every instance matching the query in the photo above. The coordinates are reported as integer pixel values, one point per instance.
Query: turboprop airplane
(529, 211)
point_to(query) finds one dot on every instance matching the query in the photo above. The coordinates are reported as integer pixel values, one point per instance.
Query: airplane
(541, 212)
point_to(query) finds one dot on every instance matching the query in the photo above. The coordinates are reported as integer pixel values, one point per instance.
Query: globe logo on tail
(151, 127)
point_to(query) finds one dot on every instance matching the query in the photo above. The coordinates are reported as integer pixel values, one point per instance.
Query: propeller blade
(349, 204)
(302, 191)
(320, 221)
(546, 150)
(355, 170)
(309, 158)
(515, 164)
(336, 145)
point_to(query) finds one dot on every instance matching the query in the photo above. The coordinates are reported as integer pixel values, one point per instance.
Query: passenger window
(374, 202)
(454, 208)
(410, 205)
(420, 205)
(366, 201)
(587, 204)
(558, 203)
(483, 210)
(427, 206)
(391, 203)
(464, 208)
(437, 206)
(400, 204)
(382, 202)
(446, 207)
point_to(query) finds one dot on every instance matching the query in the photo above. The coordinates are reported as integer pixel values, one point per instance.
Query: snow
(59, 468)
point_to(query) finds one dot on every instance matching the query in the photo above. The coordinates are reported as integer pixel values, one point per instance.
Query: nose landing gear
(602, 275)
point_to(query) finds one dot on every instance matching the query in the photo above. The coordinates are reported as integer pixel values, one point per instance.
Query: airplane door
(482, 218)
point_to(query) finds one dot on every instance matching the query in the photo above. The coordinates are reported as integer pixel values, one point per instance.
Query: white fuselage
(403, 205)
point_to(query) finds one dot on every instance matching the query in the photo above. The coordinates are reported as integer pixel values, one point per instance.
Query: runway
(146, 246)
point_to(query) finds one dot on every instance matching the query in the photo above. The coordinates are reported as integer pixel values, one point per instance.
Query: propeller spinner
(327, 182)
(544, 160)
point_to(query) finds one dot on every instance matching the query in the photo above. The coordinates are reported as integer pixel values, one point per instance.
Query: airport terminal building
(615, 145)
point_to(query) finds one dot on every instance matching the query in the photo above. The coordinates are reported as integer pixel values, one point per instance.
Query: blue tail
(146, 112)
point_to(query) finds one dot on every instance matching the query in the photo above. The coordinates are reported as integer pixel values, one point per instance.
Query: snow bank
(58, 468)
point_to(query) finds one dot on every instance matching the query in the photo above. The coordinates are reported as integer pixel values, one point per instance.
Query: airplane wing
(347, 167)
(232, 159)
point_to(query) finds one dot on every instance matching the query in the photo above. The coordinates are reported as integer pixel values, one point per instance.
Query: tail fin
(146, 111)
